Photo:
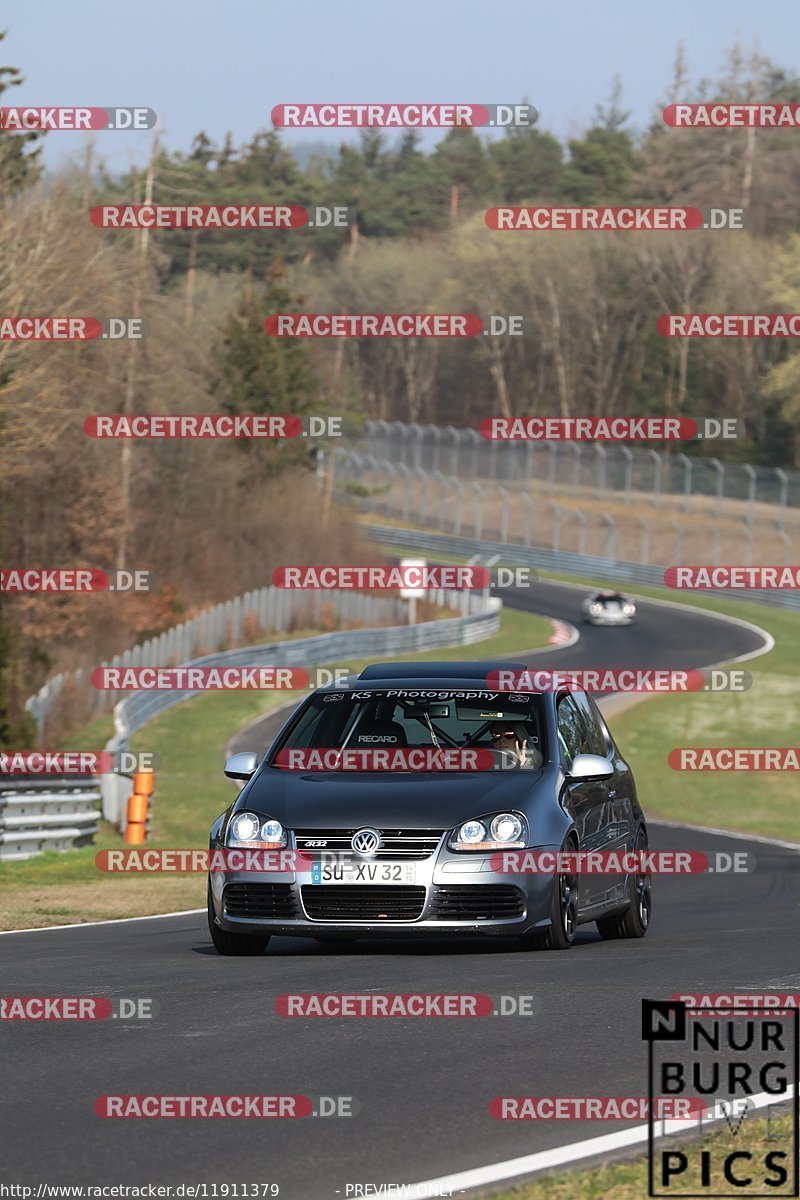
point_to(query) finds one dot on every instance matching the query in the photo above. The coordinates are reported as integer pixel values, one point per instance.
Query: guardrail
(62, 813)
(53, 813)
(480, 619)
(227, 624)
(563, 561)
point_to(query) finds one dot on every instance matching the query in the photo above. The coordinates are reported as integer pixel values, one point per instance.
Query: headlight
(504, 830)
(250, 830)
(471, 832)
(595, 608)
(629, 609)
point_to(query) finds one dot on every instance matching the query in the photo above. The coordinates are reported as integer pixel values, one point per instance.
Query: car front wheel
(560, 934)
(635, 920)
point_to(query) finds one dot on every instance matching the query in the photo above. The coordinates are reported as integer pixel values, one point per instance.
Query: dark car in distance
(398, 853)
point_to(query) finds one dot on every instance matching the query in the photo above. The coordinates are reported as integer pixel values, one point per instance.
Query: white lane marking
(544, 1160)
(184, 912)
(731, 833)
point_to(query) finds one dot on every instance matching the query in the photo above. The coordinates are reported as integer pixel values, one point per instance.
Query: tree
(258, 373)
(601, 163)
(19, 152)
(529, 164)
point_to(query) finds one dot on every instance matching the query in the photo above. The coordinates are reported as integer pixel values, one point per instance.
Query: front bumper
(452, 897)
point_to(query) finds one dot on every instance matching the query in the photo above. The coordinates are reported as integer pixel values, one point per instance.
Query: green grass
(191, 792)
(629, 1180)
(765, 715)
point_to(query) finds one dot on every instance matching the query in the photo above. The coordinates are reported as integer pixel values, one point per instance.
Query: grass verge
(766, 803)
(629, 1180)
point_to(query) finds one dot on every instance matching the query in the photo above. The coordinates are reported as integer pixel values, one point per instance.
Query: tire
(560, 934)
(635, 920)
(241, 944)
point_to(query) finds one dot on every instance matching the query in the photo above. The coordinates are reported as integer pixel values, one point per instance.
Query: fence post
(577, 451)
(582, 530)
(720, 469)
(602, 456)
(751, 492)
(556, 538)
(478, 522)
(528, 501)
(628, 456)
(659, 463)
(504, 518)
(611, 530)
(784, 479)
(687, 479)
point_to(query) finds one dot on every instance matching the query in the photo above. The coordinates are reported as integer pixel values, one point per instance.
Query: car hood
(341, 800)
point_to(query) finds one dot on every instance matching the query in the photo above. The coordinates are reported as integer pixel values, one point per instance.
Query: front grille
(363, 903)
(408, 844)
(479, 902)
(268, 901)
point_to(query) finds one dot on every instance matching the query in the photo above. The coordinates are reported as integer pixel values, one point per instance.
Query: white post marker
(408, 593)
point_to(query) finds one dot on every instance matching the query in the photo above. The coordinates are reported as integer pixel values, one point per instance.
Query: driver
(505, 737)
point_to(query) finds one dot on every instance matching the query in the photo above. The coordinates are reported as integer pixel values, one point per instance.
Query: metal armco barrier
(563, 561)
(267, 608)
(47, 813)
(480, 619)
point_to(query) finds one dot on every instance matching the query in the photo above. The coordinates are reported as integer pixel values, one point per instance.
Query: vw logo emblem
(366, 842)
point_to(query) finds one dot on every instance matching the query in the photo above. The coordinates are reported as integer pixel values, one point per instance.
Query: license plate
(374, 872)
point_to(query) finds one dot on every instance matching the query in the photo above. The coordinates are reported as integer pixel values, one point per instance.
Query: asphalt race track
(422, 1087)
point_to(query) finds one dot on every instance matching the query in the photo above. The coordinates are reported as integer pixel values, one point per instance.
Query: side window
(594, 724)
(572, 734)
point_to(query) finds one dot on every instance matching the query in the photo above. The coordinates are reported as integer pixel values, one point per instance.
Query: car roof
(427, 675)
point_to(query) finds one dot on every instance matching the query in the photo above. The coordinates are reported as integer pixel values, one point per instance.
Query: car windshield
(408, 718)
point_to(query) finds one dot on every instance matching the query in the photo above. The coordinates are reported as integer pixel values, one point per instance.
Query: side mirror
(590, 766)
(241, 766)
